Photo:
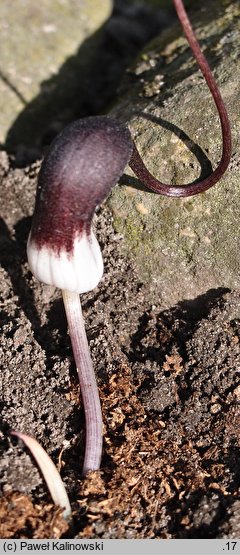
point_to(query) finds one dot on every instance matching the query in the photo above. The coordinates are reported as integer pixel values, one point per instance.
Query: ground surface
(169, 384)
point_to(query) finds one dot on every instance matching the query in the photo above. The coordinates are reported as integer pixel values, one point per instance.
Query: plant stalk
(87, 379)
(198, 186)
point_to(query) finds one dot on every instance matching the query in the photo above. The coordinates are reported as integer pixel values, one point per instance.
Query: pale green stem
(87, 379)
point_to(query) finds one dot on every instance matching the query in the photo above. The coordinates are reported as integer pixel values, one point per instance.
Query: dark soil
(170, 388)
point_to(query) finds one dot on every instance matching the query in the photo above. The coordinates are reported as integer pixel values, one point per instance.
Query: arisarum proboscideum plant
(84, 162)
(82, 165)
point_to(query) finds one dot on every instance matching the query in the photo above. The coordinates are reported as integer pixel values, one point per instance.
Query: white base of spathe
(79, 271)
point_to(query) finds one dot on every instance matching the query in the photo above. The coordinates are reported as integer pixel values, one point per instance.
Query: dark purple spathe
(83, 163)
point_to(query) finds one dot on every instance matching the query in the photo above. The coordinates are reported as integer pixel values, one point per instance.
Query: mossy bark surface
(44, 44)
(183, 247)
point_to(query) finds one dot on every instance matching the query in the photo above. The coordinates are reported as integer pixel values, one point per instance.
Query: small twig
(49, 472)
